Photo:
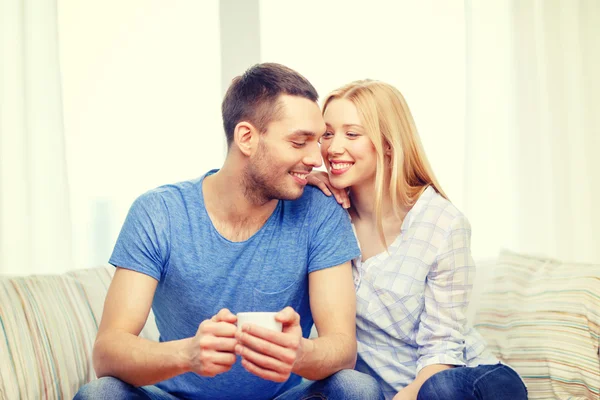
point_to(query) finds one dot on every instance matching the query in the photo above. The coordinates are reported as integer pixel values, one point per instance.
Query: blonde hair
(389, 122)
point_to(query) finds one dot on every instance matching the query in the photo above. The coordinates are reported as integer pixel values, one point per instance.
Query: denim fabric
(485, 382)
(344, 385)
(109, 388)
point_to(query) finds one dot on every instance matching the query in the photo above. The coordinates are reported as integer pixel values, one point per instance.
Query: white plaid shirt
(412, 300)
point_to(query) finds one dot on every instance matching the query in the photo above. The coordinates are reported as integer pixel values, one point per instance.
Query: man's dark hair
(253, 96)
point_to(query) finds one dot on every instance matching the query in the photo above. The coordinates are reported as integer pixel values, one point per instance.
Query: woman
(415, 275)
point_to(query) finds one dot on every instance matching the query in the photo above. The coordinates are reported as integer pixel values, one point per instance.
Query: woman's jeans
(485, 382)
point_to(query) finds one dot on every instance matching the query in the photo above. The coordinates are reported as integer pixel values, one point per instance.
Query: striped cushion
(542, 317)
(47, 329)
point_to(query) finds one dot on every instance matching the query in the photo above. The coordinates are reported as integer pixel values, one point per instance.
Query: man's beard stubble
(260, 180)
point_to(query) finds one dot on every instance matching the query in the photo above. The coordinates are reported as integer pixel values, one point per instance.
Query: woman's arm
(442, 325)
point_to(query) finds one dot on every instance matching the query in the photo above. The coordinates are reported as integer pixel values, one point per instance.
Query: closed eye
(326, 135)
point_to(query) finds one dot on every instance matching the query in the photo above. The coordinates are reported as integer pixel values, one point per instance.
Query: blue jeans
(485, 382)
(346, 384)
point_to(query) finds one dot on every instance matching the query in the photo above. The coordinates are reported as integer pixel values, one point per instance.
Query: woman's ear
(245, 137)
(388, 149)
(387, 152)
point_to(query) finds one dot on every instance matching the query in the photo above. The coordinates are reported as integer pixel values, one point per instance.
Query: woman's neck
(363, 200)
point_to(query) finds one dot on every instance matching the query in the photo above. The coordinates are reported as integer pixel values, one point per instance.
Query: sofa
(540, 316)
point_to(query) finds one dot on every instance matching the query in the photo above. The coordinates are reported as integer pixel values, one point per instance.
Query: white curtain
(532, 174)
(35, 227)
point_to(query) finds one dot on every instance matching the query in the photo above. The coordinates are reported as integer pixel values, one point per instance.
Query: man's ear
(245, 137)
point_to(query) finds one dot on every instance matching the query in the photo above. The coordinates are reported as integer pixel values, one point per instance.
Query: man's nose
(313, 158)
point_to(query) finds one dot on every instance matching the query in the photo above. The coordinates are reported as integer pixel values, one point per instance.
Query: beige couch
(47, 329)
(540, 316)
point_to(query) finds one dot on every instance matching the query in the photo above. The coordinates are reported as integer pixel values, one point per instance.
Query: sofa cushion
(542, 317)
(48, 325)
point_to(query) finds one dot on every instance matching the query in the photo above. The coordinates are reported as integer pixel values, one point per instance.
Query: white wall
(142, 90)
(417, 46)
(142, 95)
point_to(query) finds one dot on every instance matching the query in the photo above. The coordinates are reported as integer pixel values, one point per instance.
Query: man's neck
(234, 211)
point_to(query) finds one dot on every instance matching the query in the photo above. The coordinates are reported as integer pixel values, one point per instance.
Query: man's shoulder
(313, 209)
(173, 191)
(314, 196)
(313, 204)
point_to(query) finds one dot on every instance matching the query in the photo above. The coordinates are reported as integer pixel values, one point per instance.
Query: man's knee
(107, 388)
(353, 385)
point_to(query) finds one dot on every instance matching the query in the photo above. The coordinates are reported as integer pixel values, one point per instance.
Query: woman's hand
(320, 179)
(408, 393)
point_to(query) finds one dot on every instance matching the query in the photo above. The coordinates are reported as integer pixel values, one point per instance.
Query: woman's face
(349, 154)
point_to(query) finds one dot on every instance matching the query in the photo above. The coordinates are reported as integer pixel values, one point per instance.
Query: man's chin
(295, 197)
(292, 194)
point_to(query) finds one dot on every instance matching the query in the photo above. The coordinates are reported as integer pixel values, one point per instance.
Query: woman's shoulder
(436, 209)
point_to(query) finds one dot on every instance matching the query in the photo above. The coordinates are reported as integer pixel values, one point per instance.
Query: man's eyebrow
(302, 132)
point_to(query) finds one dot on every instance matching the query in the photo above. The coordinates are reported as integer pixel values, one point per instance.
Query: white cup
(264, 319)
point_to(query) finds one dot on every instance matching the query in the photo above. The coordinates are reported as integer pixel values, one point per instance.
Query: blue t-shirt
(169, 236)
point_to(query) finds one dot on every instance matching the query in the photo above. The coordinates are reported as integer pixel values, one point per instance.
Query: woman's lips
(338, 168)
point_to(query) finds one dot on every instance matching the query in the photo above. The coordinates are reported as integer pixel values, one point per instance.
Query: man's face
(287, 152)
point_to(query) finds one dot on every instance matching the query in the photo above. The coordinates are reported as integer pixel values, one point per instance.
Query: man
(248, 237)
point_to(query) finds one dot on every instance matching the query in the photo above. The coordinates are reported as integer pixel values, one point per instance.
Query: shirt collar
(421, 202)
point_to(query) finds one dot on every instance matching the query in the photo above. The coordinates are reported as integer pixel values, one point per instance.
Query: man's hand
(320, 179)
(212, 349)
(269, 354)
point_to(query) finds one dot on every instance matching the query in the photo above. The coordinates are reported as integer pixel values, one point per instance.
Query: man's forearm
(139, 361)
(324, 356)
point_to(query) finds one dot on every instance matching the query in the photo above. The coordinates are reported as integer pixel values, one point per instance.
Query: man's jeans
(485, 382)
(344, 385)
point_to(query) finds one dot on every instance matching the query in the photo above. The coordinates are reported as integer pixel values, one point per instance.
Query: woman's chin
(339, 182)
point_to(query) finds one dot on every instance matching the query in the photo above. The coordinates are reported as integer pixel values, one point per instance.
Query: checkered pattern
(412, 300)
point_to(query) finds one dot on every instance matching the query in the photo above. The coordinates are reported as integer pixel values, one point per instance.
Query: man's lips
(300, 176)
